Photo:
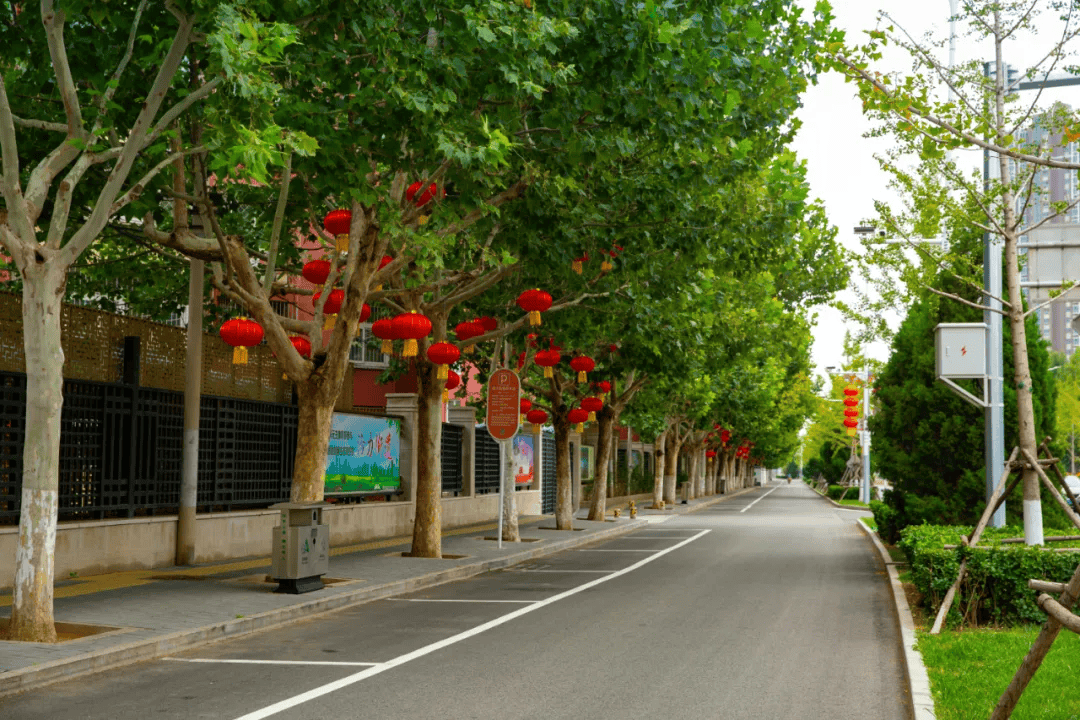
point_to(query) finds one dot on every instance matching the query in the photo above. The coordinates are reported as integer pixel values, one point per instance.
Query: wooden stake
(991, 506)
(1073, 517)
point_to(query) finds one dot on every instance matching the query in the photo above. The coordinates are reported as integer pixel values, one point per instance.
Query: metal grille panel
(547, 485)
(453, 480)
(12, 435)
(487, 463)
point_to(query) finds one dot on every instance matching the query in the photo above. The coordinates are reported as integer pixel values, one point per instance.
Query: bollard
(633, 509)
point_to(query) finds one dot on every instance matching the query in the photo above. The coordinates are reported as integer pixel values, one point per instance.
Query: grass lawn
(969, 670)
(869, 522)
(854, 503)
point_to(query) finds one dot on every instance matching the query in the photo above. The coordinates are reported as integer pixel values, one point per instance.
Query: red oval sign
(503, 404)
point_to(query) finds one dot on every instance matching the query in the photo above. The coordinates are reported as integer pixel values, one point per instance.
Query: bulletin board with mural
(588, 463)
(522, 458)
(364, 455)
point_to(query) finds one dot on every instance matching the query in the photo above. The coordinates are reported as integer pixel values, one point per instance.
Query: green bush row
(836, 491)
(994, 590)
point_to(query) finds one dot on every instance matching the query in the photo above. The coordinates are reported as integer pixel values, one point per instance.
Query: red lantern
(583, 364)
(577, 416)
(536, 417)
(302, 345)
(710, 454)
(488, 323)
(592, 405)
(241, 333)
(333, 301)
(386, 260)
(604, 387)
(384, 329)
(851, 423)
(365, 313)
(410, 327)
(316, 271)
(524, 407)
(466, 331)
(547, 359)
(851, 391)
(425, 197)
(452, 381)
(725, 435)
(337, 223)
(534, 302)
(851, 413)
(851, 402)
(442, 354)
(521, 359)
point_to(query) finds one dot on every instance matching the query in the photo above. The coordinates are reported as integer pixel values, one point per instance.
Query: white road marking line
(600, 550)
(457, 601)
(428, 649)
(759, 499)
(604, 572)
(270, 662)
(654, 537)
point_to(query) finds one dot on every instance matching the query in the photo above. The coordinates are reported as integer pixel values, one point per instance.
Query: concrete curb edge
(67, 668)
(922, 701)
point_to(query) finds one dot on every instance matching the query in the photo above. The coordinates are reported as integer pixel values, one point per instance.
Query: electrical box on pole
(960, 353)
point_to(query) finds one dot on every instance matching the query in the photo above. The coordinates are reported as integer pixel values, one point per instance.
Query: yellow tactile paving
(133, 578)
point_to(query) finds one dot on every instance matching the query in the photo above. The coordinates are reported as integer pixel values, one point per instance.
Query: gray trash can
(300, 548)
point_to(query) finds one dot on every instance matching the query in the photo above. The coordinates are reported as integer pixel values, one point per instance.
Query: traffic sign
(504, 404)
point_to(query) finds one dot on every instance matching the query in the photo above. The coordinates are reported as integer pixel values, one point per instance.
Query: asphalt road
(770, 605)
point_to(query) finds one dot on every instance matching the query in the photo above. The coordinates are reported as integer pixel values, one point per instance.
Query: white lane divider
(428, 649)
(269, 662)
(601, 572)
(760, 499)
(458, 601)
(599, 550)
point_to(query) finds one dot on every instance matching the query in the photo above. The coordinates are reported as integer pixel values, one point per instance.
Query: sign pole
(502, 485)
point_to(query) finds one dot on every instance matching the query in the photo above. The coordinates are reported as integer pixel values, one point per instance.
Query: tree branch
(959, 299)
(511, 193)
(114, 81)
(40, 124)
(279, 219)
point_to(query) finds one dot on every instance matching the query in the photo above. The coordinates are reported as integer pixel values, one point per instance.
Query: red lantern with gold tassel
(443, 354)
(577, 417)
(241, 333)
(536, 417)
(578, 265)
(466, 331)
(583, 364)
(592, 405)
(302, 345)
(337, 223)
(534, 302)
(452, 381)
(421, 198)
(332, 305)
(547, 359)
(524, 407)
(410, 327)
(851, 391)
(603, 387)
(384, 329)
(710, 454)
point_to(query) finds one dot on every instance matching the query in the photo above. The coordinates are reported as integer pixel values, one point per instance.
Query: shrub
(837, 491)
(994, 590)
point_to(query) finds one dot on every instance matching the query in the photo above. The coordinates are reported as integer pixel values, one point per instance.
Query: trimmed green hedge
(994, 590)
(835, 491)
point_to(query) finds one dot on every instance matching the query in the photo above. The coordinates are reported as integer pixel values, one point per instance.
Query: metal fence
(547, 474)
(453, 477)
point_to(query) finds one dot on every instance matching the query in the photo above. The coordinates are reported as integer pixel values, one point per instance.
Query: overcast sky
(840, 165)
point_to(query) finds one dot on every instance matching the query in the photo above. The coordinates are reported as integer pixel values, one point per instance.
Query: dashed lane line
(269, 662)
(759, 499)
(428, 649)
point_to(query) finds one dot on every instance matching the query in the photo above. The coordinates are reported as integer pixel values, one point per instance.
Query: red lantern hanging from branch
(386, 260)
(410, 327)
(337, 223)
(851, 423)
(584, 365)
(578, 265)
(365, 313)
(851, 391)
(241, 333)
(302, 345)
(333, 301)
(466, 331)
(577, 417)
(592, 405)
(488, 323)
(316, 271)
(547, 359)
(851, 413)
(536, 417)
(604, 387)
(383, 328)
(452, 381)
(710, 454)
(851, 402)
(443, 354)
(524, 407)
(425, 196)
(534, 302)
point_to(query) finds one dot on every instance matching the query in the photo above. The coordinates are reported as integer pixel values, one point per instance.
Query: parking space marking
(428, 649)
(601, 550)
(605, 572)
(458, 601)
(759, 499)
(269, 662)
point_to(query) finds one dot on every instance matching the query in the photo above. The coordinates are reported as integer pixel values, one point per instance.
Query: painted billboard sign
(364, 455)
(521, 459)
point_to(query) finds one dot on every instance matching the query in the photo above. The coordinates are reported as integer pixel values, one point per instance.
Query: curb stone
(922, 700)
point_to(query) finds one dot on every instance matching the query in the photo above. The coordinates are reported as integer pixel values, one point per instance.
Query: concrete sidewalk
(151, 613)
